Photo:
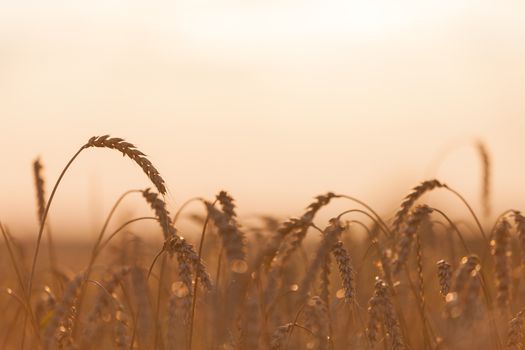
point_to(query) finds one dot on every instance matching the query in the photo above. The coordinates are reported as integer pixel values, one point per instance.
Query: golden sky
(274, 101)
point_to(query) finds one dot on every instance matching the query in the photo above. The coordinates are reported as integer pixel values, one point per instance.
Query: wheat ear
(62, 309)
(297, 227)
(91, 328)
(128, 149)
(501, 252)
(515, 333)
(346, 270)
(519, 221)
(331, 236)
(41, 206)
(486, 177)
(444, 275)
(122, 336)
(380, 307)
(105, 142)
(175, 244)
(232, 237)
(420, 214)
(461, 277)
(411, 198)
(318, 322)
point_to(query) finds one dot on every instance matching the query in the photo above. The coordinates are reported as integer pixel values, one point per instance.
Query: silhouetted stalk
(196, 282)
(184, 205)
(470, 210)
(385, 226)
(43, 222)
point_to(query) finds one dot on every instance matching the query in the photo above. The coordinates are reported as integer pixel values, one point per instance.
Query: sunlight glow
(273, 23)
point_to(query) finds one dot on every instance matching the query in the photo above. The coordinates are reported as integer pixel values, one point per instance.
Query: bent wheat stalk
(105, 141)
(411, 198)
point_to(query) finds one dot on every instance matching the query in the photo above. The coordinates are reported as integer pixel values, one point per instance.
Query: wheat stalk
(39, 186)
(143, 324)
(472, 295)
(380, 308)
(324, 284)
(486, 177)
(519, 221)
(501, 252)
(420, 214)
(128, 149)
(331, 236)
(251, 325)
(159, 207)
(105, 142)
(317, 321)
(41, 207)
(122, 338)
(444, 276)
(92, 326)
(233, 239)
(411, 198)
(297, 227)
(227, 204)
(175, 244)
(468, 265)
(346, 270)
(62, 309)
(515, 334)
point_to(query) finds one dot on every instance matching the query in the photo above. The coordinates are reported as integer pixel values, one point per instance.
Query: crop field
(420, 279)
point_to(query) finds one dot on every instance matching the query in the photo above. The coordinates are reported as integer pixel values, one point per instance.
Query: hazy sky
(275, 101)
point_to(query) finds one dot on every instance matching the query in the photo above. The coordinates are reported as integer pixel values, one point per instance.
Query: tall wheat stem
(42, 225)
(196, 283)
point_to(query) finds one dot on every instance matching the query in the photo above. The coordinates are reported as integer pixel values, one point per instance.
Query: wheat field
(420, 279)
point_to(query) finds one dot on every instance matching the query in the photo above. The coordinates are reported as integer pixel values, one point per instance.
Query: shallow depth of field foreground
(420, 279)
